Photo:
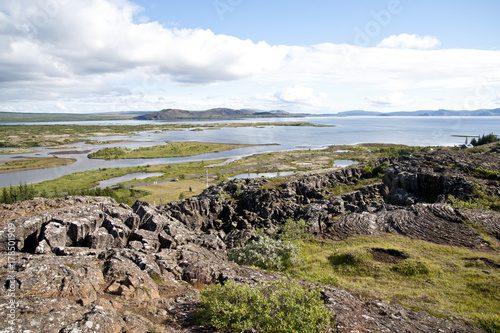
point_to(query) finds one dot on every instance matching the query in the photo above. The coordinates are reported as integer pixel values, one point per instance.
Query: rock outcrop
(89, 264)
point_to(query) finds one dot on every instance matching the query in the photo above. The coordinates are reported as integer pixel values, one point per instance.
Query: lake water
(344, 163)
(131, 176)
(263, 174)
(425, 131)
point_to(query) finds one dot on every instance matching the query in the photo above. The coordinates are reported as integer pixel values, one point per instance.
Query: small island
(172, 149)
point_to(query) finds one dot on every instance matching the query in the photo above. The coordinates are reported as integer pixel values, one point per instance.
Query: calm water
(427, 131)
(263, 174)
(344, 163)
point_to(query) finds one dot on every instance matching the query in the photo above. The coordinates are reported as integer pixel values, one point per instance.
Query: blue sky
(301, 56)
(458, 23)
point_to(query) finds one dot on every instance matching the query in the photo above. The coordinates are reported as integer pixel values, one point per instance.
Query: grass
(172, 149)
(83, 180)
(34, 163)
(171, 191)
(481, 199)
(434, 278)
(18, 151)
(348, 188)
(195, 171)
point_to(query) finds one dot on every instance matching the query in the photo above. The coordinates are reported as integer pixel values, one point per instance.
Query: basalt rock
(86, 264)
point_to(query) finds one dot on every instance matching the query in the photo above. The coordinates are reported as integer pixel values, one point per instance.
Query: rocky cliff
(88, 264)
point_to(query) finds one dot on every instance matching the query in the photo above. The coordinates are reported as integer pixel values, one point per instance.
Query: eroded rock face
(91, 265)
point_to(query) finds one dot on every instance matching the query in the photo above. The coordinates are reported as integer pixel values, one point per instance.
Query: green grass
(83, 180)
(481, 199)
(434, 278)
(172, 149)
(34, 163)
(348, 188)
(487, 173)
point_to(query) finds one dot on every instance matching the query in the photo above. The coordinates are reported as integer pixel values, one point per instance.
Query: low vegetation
(26, 164)
(277, 253)
(279, 307)
(267, 253)
(17, 193)
(487, 173)
(172, 149)
(443, 280)
(481, 199)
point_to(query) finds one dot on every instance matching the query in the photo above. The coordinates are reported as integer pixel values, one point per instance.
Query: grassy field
(83, 180)
(442, 280)
(172, 191)
(17, 151)
(172, 149)
(26, 164)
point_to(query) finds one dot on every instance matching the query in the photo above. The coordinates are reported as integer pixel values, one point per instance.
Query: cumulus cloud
(99, 37)
(407, 41)
(104, 53)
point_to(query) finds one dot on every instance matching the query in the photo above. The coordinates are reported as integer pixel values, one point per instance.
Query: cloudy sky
(317, 56)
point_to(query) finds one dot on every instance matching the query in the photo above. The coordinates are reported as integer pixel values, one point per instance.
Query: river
(424, 131)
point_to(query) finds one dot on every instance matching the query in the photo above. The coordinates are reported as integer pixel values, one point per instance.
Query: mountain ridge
(422, 113)
(224, 114)
(215, 113)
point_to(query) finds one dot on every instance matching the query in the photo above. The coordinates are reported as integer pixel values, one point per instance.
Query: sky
(315, 56)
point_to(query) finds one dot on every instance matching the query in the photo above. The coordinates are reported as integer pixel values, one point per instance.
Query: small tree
(266, 253)
(279, 307)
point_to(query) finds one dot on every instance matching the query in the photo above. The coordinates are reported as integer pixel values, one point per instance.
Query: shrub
(487, 173)
(293, 230)
(266, 253)
(410, 267)
(376, 171)
(484, 139)
(282, 306)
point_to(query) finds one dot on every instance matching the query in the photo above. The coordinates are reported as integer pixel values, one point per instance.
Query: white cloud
(99, 37)
(101, 54)
(406, 41)
(62, 107)
(300, 96)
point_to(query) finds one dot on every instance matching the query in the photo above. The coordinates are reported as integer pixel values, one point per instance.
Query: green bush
(481, 199)
(293, 230)
(266, 253)
(484, 139)
(410, 267)
(376, 171)
(487, 173)
(278, 307)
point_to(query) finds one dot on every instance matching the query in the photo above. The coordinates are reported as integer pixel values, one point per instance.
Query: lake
(424, 131)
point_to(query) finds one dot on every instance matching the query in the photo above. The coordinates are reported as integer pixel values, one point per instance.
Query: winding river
(425, 131)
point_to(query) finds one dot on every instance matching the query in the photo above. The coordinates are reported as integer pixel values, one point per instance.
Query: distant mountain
(357, 113)
(22, 117)
(217, 113)
(424, 113)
